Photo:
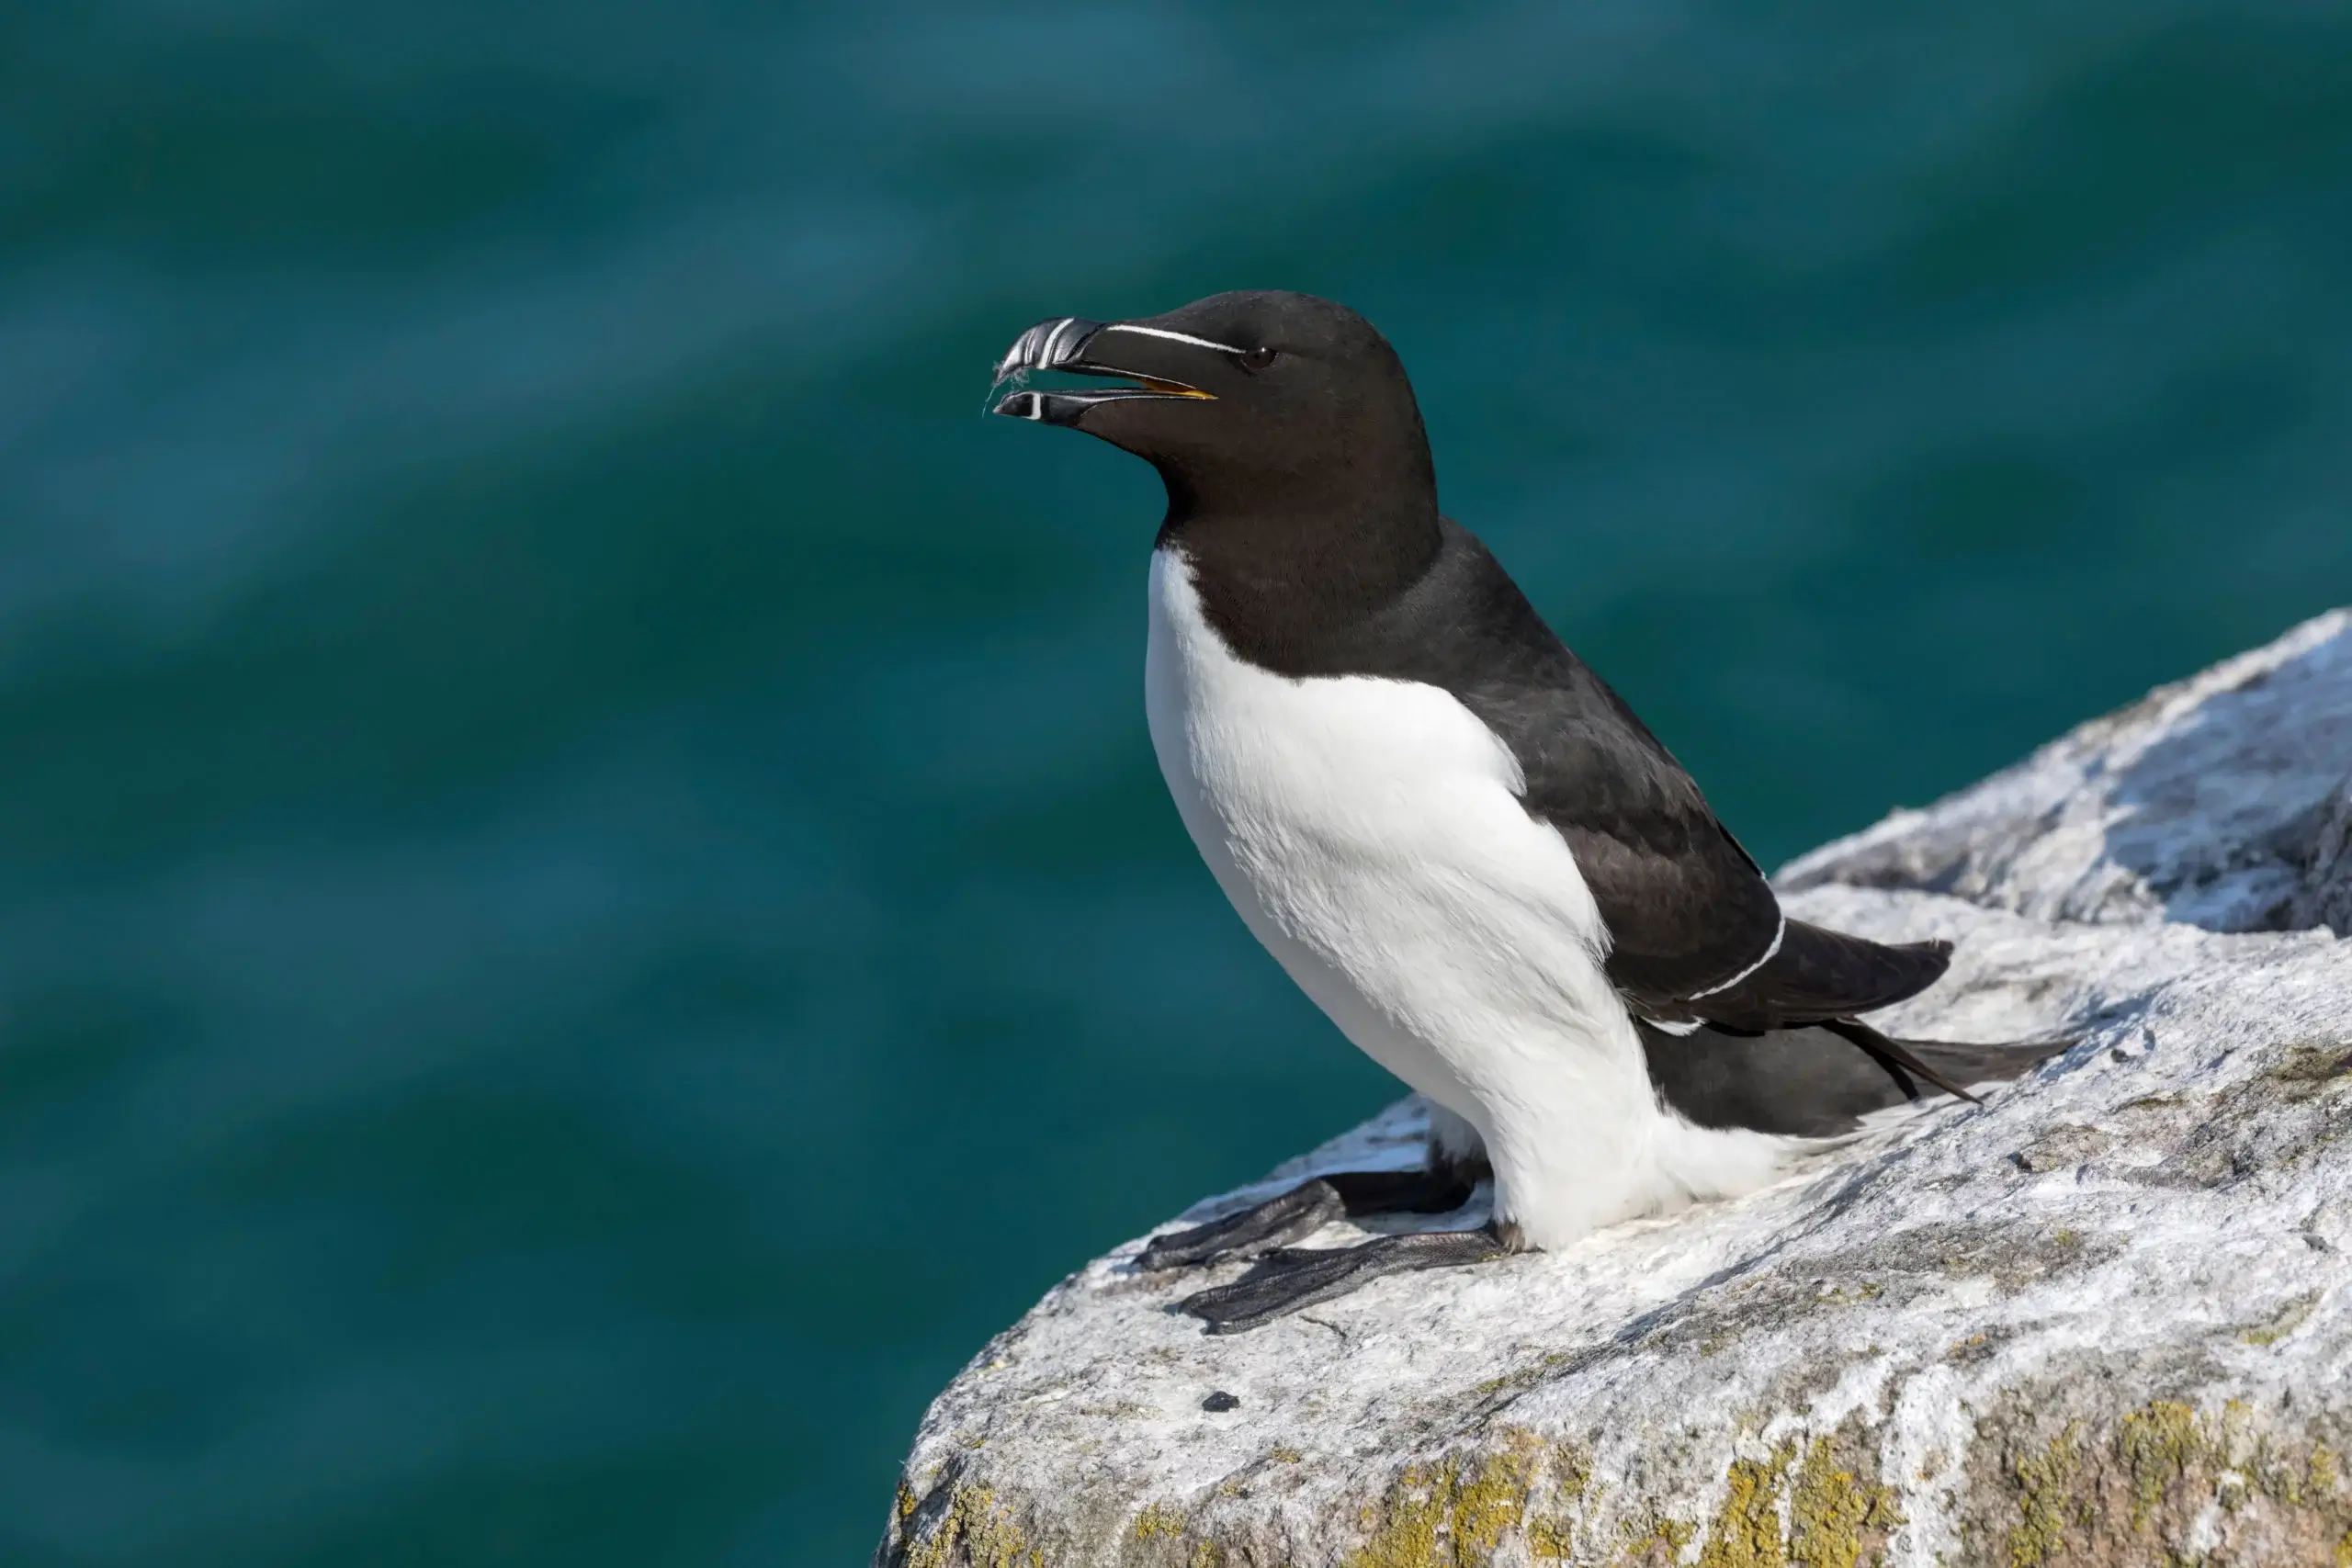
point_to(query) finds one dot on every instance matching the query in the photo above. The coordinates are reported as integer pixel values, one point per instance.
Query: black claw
(1283, 1282)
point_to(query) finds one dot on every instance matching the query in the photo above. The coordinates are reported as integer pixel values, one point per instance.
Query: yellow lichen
(2166, 1472)
(2155, 1443)
(1833, 1512)
(1747, 1528)
(1643, 1536)
(1550, 1539)
(983, 1529)
(1404, 1529)
(1490, 1503)
(1797, 1508)
(1456, 1513)
(2042, 1482)
(1159, 1521)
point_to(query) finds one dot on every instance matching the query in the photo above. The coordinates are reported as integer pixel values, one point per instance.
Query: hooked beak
(1074, 344)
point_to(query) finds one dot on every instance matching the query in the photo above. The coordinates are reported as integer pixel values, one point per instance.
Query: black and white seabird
(1451, 834)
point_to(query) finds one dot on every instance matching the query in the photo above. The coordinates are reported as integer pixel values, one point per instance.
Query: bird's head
(1241, 400)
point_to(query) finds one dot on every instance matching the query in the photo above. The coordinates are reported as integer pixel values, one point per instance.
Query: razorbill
(1451, 834)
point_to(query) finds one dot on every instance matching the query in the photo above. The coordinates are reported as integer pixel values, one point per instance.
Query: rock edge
(2102, 1320)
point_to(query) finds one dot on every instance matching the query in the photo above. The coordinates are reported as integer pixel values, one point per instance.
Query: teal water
(584, 909)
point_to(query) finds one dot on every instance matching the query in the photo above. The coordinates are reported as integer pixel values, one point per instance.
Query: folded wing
(1696, 935)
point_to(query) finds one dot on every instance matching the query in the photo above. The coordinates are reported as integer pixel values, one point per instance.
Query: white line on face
(1171, 337)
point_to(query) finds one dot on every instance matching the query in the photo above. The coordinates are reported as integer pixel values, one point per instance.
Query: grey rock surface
(2223, 801)
(2105, 1318)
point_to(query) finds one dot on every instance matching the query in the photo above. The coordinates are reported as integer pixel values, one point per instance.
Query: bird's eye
(1257, 358)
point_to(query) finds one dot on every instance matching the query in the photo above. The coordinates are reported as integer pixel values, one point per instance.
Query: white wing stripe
(1779, 932)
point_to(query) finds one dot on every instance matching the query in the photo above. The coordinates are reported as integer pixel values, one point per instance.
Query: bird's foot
(1283, 1282)
(1306, 1209)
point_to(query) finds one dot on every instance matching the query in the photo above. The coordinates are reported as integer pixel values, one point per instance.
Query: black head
(1242, 401)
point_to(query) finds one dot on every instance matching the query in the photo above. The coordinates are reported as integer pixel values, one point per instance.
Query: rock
(2104, 1319)
(2224, 801)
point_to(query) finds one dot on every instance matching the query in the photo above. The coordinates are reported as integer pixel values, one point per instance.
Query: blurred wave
(583, 906)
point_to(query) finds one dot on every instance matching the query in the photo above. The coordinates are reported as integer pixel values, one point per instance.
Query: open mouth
(1057, 405)
(1061, 346)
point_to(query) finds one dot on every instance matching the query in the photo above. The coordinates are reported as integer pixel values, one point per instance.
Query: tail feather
(1973, 1064)
(1817, 975)
(1817, 1081)
(1894, 1054)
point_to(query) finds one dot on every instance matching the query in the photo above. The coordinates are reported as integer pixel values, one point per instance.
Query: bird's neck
(1290, 580)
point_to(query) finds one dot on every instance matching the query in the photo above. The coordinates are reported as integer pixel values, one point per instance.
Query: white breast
(1370, 832)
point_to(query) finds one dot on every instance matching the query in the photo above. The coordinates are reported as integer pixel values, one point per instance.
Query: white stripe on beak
(1171, 337)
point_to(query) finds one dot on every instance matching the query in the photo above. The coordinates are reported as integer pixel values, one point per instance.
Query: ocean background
(584, 905)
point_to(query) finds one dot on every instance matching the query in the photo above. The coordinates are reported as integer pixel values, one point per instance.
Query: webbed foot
(1283, 1282)
(1306, 1209)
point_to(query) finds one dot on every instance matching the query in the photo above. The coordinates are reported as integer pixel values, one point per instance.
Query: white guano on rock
(2104, 1319)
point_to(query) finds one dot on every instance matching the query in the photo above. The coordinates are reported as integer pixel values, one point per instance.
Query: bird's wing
(1695, 931)
(1696, 934)
(1685, 906)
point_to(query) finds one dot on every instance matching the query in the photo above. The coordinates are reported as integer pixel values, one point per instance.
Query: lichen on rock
(1803, 1507)
(2164, 1482)
(2104, 1319)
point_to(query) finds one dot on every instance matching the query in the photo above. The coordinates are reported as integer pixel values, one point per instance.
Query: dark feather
(1812, 1082)
(1819, 975)
(1893, 1054)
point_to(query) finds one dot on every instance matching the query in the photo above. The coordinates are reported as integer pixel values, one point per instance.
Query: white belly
(1370, 832)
